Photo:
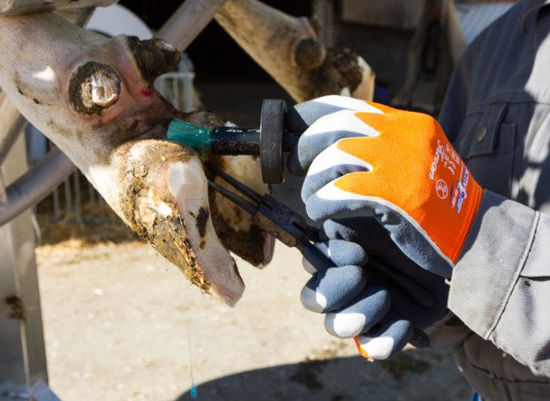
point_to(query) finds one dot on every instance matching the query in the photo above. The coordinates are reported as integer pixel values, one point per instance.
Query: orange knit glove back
(394, 164)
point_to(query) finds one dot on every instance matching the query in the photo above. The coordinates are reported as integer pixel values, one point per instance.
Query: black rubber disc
(271, 140)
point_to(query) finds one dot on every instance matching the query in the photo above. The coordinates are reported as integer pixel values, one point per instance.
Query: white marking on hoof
(186, 183)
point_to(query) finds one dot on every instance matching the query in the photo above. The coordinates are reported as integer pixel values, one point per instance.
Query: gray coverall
(497, 114)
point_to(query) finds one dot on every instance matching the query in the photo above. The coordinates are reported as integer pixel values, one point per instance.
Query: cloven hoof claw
(154, 57)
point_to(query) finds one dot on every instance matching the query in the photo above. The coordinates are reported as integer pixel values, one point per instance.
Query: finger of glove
(303, 115)
(385, 257)
(376, 242)
(367, 310)
(330, 164)
(365, 231)
(342, 253)
(333, 288)
(331, 202)
(385, 342)
(323, 133)
(406, 304)
(419, 295)
(415, 293)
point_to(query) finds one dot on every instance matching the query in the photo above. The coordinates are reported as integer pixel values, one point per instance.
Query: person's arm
(371, 160)
(500, 287)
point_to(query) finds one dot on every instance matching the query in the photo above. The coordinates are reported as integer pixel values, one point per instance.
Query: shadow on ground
(413, 375)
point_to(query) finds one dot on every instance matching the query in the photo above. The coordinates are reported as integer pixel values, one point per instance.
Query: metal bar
(91, 196)
(11, 125)
(286, 47)
(35, 184)
(101, 207)
(77, 198)
(68, 198)
(41, 392)
(236, 199)
(23, 359)
(175, 93)
(188, 103)
(239, 186)
(16, 7)
(56, 205)
(188, 21)
(323, 12)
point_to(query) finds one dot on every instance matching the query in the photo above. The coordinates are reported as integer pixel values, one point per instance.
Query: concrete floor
(120, 324)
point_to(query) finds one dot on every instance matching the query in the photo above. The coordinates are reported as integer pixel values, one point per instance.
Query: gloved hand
(394, 165)
(396, 301)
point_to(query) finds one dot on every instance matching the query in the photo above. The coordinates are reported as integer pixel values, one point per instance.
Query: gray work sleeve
(501, 284)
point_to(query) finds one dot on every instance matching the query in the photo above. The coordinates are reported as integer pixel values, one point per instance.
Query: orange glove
(393, 164)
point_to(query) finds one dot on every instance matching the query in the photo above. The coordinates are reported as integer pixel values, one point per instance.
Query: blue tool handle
(317, 258)
(420, 339)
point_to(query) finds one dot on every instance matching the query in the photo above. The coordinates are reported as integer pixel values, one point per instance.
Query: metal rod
(414, 289)
(236, 184)
(35, 184)
(11, 125)
(175, 92)
(16, 7)
(41, 392)
(284, 46)
(56, 205)
(188, 103)
(189, 21)
(23, 359)
(91, 196)
(242, 203)
(101, 206)
(77, 198)
(68, 198)
(323, 12)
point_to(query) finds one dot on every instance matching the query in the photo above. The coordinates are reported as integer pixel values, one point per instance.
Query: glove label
(439, 154)
(450, 161)
(460, 191)
(442, 189)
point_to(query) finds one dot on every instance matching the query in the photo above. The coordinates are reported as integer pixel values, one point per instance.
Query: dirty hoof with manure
(94, 98)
